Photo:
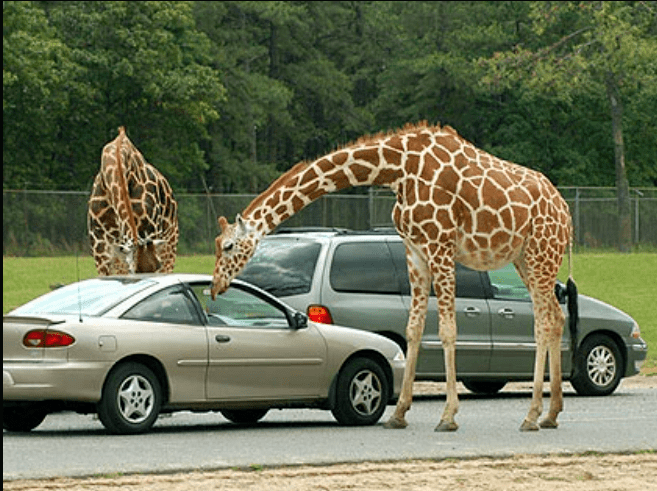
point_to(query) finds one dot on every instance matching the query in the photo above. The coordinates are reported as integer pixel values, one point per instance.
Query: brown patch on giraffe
(424, 192)
(422, 212)
(387, 176)
(492, 195)
(449, 143)
(370, 155)
(395, 142)
(412, 164)
(487, 220)
(498, 240)
(518, 195)
(448, 179)
(440, 197)
(339, 178)
(441, 154)
(470, 194)
(361, 172)
(392, 157)
(308, 175)
(429, 168)
(325, 165)
(419, 142)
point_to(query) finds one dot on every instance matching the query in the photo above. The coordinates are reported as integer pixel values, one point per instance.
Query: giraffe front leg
(420, 280)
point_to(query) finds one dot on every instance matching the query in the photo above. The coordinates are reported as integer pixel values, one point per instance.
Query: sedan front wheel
(362, 393)
(131, 399)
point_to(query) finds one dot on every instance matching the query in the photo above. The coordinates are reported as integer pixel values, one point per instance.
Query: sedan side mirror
(560, 292)
(298, 320)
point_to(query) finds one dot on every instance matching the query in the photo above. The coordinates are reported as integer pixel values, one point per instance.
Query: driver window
(239, 308)
(170, 306)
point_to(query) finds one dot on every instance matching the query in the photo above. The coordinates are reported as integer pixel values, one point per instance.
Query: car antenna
(77, 272)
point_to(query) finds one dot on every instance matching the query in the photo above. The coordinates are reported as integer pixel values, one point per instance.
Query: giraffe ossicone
(132, 216)
(455, 203)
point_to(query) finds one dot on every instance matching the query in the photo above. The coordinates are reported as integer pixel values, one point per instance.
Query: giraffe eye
(228, 246)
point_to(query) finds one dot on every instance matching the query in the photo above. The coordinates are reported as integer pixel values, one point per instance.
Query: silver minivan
(359, 279)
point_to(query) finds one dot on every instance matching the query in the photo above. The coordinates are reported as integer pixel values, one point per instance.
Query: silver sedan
(132, 347)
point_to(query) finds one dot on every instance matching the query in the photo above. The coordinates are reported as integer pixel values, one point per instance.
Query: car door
(255, 354)
(512, 316)
(473, 344)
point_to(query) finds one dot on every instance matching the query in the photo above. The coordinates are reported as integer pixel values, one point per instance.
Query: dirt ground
(600, 472)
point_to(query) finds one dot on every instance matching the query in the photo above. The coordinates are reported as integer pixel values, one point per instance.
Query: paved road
(74, 445)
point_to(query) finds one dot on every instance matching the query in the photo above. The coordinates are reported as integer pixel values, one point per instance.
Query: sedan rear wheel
(598, 366)
(362, 393)
(131, 399)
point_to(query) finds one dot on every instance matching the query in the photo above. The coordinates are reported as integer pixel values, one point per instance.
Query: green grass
(626, 281)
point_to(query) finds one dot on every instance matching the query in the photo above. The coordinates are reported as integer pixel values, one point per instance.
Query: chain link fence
(47, 223)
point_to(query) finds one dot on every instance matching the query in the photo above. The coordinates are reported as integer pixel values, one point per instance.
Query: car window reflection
(170, 306)
(239, 308)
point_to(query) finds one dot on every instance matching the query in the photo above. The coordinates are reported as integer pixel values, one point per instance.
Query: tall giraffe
(455, 203)
(132, 216)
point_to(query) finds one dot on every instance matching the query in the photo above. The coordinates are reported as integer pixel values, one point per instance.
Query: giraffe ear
(223, 223)
(241, 224)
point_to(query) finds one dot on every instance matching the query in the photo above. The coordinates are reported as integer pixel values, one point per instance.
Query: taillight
(320, 314)
(46, 338)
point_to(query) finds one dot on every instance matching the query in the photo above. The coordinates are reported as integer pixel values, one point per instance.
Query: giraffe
(455, 203)
(132, 215)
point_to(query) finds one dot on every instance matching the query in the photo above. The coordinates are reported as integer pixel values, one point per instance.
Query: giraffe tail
(571, 295)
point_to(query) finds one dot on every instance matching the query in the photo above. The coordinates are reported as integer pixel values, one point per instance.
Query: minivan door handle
(472, 311)
(507, 313)
(221, 338)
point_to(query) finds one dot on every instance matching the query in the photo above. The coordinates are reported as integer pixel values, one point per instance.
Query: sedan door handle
(507, 313)
(221, 338)
(471, 311)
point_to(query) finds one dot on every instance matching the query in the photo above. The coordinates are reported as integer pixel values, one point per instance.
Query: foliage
(224, 96)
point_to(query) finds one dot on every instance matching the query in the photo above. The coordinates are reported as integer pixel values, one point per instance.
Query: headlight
(636, 332)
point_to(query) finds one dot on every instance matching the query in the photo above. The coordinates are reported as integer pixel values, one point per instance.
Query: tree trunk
(622, 184)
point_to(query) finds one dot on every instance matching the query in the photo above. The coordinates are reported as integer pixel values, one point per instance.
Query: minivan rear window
(363, 267)
(282, 267)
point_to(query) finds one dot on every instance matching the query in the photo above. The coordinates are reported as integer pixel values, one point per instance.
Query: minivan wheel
(362, 393)
(131, 399)
(23, 418)
(244, 416)
(597, 369)
(484, 386)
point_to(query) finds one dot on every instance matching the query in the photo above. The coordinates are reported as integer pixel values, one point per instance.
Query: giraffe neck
(377, 161)
(121, 194)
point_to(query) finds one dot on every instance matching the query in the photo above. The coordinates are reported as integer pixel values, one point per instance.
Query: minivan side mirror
(560, 292)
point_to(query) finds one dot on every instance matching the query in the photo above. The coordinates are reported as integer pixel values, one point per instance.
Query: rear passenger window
(468, 281)
(282, 267)
(363, 267)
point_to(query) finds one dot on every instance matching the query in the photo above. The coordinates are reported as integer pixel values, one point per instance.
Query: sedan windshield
(90, 297)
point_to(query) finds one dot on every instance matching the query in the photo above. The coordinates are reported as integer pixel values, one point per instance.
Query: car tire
(131, 399)
(244, 416)
(597, 367)
(487, 387)
(23, 418)
(361, 393)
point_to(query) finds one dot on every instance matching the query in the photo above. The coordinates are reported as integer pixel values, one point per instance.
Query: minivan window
(282, 267)
(363, 267)
(468, 281)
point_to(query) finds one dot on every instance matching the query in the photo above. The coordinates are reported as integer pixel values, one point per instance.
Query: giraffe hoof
(549, 423)
(446, 426)
(395, 423)
(528, 426)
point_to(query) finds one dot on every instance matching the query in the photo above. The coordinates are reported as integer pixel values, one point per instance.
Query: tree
(584, 48)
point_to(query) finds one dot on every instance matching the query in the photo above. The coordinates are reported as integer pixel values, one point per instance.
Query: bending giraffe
(455, 203)
(132, 215)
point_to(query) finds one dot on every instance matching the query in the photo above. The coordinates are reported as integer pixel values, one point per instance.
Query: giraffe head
(143, 257)
(234, 247)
